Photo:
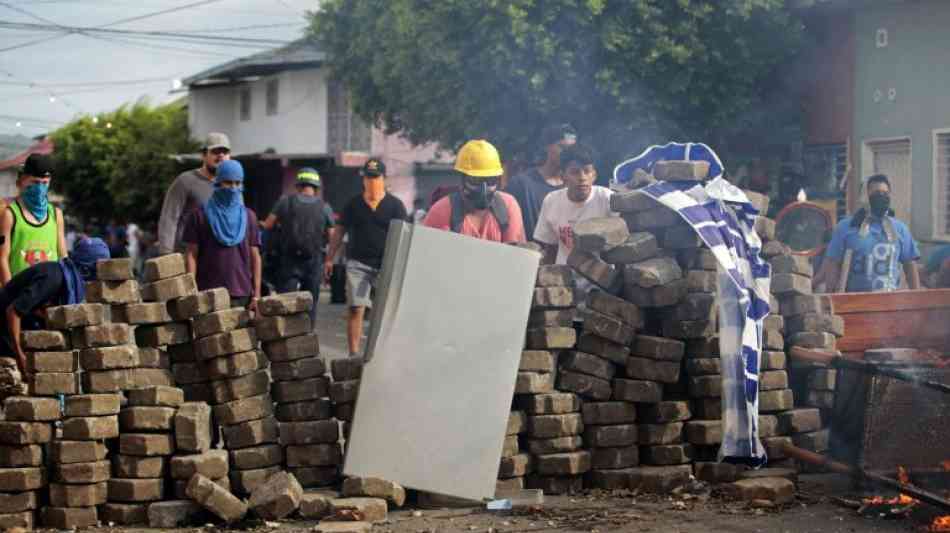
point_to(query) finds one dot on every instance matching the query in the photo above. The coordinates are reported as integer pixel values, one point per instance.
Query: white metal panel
(443, 356)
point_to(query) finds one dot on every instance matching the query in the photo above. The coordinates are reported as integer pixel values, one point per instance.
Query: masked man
(869, 250)
(480, 210)
(50, 283)
(366, 221)
(190, 191)
(223, 241)
(31, 229)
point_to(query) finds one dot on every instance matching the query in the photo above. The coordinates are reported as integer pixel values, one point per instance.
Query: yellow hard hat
(479, 159)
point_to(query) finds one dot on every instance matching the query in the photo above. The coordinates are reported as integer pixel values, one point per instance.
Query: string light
(52, 99)
(95, 120)
(19, 124)
(108, 125)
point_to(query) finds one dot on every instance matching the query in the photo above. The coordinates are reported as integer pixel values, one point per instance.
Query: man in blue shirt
(873, 246)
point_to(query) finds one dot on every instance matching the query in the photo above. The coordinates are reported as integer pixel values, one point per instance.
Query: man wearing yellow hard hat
(479, 209)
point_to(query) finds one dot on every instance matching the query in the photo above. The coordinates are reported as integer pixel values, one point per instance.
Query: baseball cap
(308, 176)
(38, 165)
(217, 140)
(374, 167)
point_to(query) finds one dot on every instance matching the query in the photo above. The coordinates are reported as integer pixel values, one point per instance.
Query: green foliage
(626, 73)
(122, 171)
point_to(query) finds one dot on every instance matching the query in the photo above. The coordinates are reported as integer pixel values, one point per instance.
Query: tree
(118, 165)
(626, 73)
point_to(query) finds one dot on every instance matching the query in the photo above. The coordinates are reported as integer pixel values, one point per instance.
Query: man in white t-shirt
(562, 209)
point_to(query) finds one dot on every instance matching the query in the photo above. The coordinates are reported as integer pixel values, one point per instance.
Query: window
(273, 92)
(345, 131)
(245, 103)
(825, 167)
(942, 183)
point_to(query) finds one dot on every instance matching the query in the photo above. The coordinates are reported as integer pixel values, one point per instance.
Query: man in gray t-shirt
(189, 191)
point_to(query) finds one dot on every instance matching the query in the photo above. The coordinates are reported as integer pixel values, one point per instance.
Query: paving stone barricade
(154, 403)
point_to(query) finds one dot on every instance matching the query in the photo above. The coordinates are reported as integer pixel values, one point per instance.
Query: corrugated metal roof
(303, 53)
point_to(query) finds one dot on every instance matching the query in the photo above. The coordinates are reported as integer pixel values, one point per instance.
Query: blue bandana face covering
(36, 200)
(226, 215)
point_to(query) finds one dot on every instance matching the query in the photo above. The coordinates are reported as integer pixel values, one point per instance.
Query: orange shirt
(479, 224)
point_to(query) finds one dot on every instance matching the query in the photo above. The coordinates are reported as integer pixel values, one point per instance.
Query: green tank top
(32, 243)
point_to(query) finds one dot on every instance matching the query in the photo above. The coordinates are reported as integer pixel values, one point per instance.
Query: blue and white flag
(673, 151)
(723, 217)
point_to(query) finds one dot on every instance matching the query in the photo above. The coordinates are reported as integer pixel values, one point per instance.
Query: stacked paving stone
(24, 432)
(514, 466)
(146, 442)
(165, 281)
(115, 338)
(308, 437)
(80, 469)
(345, 374)
(554, 460)
(809, 322)
(238, 388)
(191, 375)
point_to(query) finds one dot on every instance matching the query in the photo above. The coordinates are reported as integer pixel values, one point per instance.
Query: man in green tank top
(31, 229)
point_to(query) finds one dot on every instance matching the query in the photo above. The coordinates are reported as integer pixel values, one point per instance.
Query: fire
(902, 499)
(941, 523)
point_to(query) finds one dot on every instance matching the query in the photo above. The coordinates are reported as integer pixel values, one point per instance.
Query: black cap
(38, 165)
(555, 133)
(373, 167)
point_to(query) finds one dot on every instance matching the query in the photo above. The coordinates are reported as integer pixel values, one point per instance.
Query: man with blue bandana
(223, 240)
(24, 298)
(31, 229)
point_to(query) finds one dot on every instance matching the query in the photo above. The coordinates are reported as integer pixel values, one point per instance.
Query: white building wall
(299, 126)
(211, 109)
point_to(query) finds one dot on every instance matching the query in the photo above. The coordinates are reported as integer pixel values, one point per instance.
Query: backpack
(302, 232)
(497, 207)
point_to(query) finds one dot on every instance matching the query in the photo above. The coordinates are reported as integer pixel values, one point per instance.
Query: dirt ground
(814, 511)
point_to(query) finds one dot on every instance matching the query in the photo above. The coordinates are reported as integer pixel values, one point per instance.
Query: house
(878, 102)
(282, 111)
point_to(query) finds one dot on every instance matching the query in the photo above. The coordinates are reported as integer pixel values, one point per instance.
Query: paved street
(331, 327)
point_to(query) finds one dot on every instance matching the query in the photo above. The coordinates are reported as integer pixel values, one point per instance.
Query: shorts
(360, 282)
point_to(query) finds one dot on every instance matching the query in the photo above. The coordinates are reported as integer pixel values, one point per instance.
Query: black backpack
(497, 208)
(302, 232)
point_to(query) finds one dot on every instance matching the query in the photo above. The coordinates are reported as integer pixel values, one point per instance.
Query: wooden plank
(900, 319)
(861, 302)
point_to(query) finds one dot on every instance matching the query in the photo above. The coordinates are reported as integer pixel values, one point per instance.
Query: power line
(89, 31)
(141, 81)
(157, 13)
(35, 41)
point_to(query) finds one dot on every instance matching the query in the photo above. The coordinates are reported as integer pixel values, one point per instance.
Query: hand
(24, 369)
(327, 271)
(252, 305)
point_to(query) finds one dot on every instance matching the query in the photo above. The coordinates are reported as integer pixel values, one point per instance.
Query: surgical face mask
(880, 203)
(480, 194)
(36, 199)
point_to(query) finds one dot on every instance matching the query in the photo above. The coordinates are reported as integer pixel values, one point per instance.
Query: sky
(68, 74)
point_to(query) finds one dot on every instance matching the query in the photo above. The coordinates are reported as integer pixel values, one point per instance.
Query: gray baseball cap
(217, 140)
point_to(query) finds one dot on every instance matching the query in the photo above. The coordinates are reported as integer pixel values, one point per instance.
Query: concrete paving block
(214, 498)
(212, 464)
(288, 303)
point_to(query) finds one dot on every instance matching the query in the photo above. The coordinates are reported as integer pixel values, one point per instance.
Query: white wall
(300, 125)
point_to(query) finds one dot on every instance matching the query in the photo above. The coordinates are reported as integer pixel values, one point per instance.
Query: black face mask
(479, 196)
(880, 203)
